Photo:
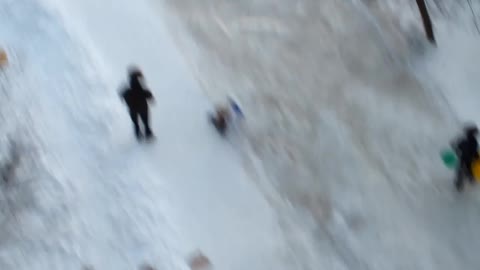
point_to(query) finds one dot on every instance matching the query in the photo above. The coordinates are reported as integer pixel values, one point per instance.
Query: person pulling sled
(466, 149)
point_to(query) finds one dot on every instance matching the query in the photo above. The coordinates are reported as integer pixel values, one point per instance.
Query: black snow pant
(464, 170)
(143, 115)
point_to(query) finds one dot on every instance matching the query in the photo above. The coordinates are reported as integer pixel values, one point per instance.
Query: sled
(476, 170)
(450, 159)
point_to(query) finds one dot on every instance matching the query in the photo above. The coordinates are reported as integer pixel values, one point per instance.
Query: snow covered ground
(450, 69)
(338, 168)
(106, 201)
(347, 132)
(458, 56)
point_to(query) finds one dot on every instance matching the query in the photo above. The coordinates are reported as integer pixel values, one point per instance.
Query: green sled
(449, 158)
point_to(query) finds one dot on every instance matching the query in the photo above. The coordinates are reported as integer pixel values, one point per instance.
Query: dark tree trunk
(427, 23)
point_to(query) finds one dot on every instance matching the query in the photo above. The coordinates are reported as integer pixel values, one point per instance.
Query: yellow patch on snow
(476, 170)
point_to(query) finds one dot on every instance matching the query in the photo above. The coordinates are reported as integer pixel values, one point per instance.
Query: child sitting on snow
(225, 116)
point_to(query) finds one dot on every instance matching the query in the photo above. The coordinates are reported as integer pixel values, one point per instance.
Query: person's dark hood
(135, 76)
(135, 82)
(471, 131)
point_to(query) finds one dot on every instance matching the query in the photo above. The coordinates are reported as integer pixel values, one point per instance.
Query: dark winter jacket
(467, 148)
(136, 96)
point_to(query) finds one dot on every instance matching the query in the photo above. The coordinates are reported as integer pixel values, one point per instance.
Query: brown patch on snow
(199, 262)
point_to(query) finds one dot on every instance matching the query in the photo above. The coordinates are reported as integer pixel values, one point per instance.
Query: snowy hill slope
(107, 201)
(347, 134)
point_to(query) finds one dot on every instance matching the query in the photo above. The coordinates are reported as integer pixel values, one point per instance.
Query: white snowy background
(337, 165)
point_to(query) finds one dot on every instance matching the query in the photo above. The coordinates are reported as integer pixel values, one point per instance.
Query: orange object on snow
(476, 170)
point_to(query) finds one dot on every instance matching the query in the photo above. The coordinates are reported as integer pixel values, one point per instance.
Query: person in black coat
(467, 151)
(137, 98)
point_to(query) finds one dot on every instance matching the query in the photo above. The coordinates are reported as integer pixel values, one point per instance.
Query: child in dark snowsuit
(136, 96)
(467, 151)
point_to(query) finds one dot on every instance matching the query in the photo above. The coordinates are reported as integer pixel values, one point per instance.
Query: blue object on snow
(236, 108)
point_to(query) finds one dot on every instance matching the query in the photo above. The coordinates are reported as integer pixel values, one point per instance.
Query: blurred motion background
(347, 106)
